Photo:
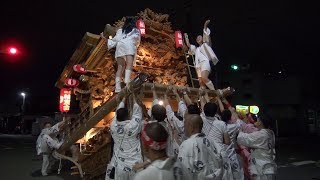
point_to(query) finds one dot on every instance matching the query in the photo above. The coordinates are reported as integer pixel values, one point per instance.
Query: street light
(234, 67)
(23, 94)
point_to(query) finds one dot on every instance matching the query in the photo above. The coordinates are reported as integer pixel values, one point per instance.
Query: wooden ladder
(193, 77)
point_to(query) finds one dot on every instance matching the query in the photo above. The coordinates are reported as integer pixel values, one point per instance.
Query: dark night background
(270, 35)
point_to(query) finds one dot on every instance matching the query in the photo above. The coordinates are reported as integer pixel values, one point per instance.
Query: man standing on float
(203, 54)
(126, 42)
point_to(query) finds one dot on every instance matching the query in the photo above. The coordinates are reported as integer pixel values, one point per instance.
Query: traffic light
(13, 50)
(234, 67)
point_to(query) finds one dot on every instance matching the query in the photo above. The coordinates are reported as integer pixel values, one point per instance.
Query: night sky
(269, 35)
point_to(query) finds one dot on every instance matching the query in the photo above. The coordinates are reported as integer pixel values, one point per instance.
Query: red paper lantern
(141, 26)
(79, 69)
(72, 82)
(178, 39)
(65, 99)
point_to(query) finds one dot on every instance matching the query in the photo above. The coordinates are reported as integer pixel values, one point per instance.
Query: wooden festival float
(159, 62)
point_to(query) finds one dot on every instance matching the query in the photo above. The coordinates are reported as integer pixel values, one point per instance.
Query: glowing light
(110, 37)
(254, 109)
(234, 67)
(13, 50)
(23, 94)
(65, 99)
(161, 103)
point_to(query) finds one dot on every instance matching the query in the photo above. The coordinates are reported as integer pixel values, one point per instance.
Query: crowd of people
(206, 141)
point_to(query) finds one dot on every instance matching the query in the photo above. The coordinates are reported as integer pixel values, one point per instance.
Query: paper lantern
(72, 82)
(65, 99)
(79, 69)
(178, 39)
(254, 109)
(141, 26)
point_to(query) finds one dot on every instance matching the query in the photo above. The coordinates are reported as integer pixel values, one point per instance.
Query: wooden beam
(99, 114)
(161, 89)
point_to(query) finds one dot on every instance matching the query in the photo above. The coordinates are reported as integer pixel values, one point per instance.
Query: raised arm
(206, 33)
(205, 26)
(122, 103)
(137, 110)
(221, 107)
(203, 100)
(113, 42)
(176, 94)
(186, 38)
(186, 97)
(155, 96)
(232, 109)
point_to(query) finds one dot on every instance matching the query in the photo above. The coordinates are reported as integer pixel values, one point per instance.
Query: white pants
(203, 66)
(45, 164)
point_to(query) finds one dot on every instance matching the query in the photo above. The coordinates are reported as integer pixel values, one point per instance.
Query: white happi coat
(126, 44)
(262, 162)
(168, 169)
(204, 53)
(42, 143)
(172, 146)
(178, 126)
(200, 158)
(234, 160)
(214, 129)
(233, 131)
(127, 149)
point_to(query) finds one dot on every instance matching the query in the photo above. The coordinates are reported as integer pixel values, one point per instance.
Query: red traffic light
(13, 50)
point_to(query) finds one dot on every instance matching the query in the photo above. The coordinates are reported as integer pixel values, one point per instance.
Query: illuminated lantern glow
(141, 26)
(254, 109)
(178, 39)
(65, 99)
(72, 82)
(79, 69)
(242, 109)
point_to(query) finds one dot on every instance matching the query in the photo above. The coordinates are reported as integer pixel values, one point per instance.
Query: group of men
(193, 143)
(206, 141)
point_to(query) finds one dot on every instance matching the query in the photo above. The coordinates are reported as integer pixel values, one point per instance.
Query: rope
(60, 156)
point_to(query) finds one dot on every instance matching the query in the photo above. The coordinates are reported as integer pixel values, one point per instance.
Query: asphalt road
(19, 161)
(298, 158)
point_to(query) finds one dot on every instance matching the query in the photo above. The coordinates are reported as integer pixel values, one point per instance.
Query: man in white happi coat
(125, 132)
(154, 139)
(233, 129)
(203, 55)
(158, 114)
(46, 142)
(126, 42)
(176, 120)
(199, 156)
(262, 164)
(213, 127)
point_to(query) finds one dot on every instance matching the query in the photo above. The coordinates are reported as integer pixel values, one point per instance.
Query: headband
(151, 143)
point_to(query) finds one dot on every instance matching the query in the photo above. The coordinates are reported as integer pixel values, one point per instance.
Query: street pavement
(298, 158)
(19, 161)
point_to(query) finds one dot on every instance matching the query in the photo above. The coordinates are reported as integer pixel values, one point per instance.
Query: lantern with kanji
(178, 39)
(65, 99)
(141, 26)
(79, 69)
(72, 82)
